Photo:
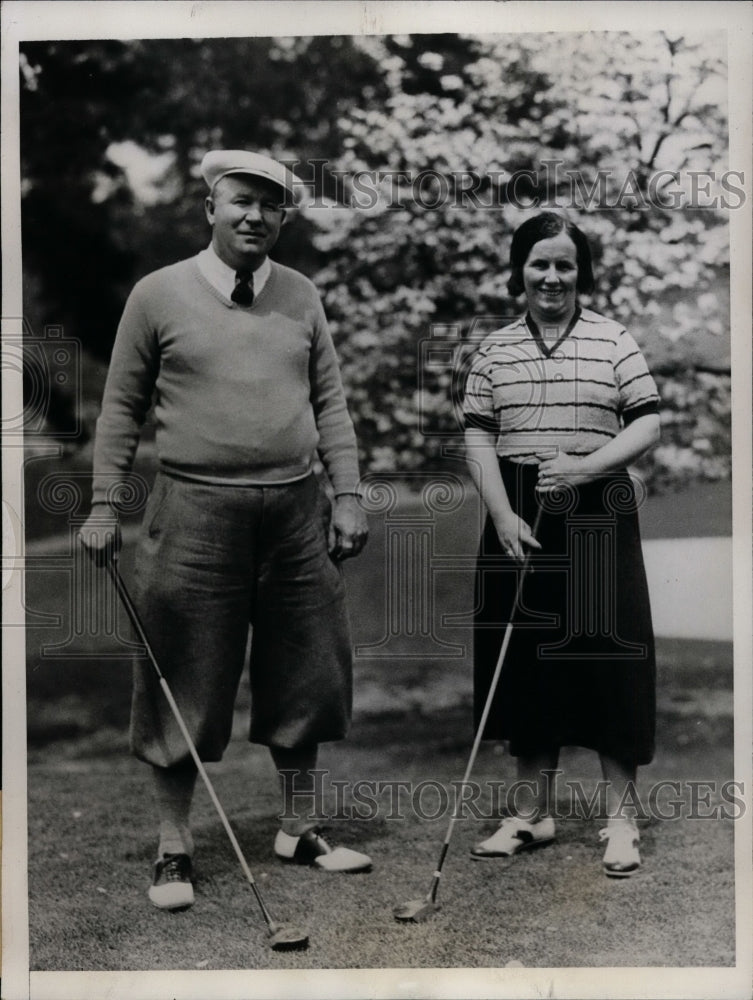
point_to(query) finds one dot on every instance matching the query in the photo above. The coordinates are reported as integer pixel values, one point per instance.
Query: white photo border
(23, 20)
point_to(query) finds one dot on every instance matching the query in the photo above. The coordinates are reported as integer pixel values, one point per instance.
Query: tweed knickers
(210, 561)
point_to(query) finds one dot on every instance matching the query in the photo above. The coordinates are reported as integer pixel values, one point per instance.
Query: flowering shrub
(617, 131)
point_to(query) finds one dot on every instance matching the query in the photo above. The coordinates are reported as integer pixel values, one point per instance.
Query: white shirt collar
(222, 277)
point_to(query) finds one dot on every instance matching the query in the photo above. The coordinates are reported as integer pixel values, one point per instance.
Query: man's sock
(174, 788)
(299, 806)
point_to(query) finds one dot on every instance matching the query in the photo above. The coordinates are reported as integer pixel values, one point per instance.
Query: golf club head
(288, 937)
(415, 911)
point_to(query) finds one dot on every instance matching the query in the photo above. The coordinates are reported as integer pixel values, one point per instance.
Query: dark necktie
(243, 293)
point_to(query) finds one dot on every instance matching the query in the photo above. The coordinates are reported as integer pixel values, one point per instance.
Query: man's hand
(100, 534)
(348, 529)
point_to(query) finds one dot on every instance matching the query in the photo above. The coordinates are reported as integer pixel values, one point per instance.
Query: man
(236, 352)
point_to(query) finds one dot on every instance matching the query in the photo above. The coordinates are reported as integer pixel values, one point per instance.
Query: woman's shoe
(312, 849)
(621, 858)
(514, 835)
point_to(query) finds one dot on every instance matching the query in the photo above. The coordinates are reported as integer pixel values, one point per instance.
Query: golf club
(281, 936)
(416, 911)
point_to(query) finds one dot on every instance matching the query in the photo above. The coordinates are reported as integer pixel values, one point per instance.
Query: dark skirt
(580, 668)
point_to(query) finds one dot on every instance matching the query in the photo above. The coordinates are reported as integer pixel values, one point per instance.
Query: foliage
(436, 147)
(696, 419)
(563, 116)
(83, 102)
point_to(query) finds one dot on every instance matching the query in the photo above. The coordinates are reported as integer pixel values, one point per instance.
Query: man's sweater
(242, 395)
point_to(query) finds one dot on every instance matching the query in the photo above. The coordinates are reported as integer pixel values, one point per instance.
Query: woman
(557, 405)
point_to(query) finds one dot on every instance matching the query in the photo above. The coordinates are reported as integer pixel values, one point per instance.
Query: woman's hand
(564, 469)
(514, 533)
(634, 440)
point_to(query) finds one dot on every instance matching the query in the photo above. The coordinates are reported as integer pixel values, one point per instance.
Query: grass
(91, 841)
(91, 835)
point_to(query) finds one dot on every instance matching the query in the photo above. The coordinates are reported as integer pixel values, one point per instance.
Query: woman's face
(550, 276)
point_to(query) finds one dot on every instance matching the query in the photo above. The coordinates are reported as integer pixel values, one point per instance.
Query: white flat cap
(218, 163)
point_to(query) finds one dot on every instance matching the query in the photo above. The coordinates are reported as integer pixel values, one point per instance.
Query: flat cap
(218, 163)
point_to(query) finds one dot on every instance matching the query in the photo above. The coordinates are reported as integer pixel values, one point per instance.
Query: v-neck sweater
(244, 395)
(574, 393)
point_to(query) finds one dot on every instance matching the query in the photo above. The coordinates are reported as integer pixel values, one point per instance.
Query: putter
(416, 911)
(281, 936)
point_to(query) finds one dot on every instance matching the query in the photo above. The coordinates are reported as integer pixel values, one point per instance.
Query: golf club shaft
(487, 708)
(133, 615)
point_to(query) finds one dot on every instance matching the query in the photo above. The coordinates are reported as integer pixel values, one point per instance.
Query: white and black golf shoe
(172, 888)
(312, 849)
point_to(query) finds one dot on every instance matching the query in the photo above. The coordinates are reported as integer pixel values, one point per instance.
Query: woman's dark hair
(543, 227)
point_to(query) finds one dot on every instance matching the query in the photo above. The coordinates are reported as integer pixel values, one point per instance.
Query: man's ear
(283, 216)
(209, 208)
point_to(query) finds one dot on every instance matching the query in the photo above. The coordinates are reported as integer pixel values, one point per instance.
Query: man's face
(245, 215)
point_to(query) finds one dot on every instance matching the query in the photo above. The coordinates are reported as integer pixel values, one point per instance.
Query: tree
(87, 234)
(477, 134)
(424, 152)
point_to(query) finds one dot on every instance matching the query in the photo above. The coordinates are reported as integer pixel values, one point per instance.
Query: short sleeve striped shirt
(574, 393)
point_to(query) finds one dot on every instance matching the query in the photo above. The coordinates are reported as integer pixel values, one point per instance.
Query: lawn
(91, 843)
(91, 836)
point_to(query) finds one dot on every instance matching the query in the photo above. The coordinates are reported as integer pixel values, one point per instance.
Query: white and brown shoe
(514, 835)
(310, 848)
(622, 857)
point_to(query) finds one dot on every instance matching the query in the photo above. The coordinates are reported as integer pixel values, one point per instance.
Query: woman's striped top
(574, 393)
